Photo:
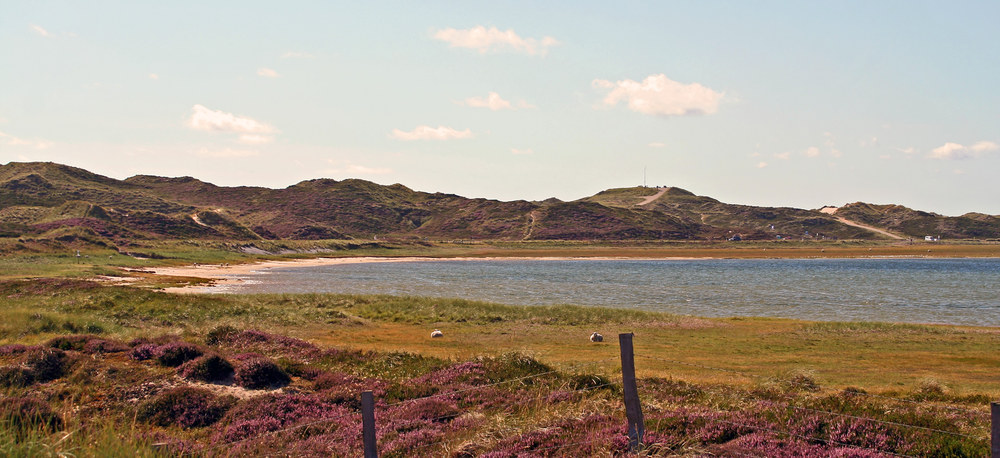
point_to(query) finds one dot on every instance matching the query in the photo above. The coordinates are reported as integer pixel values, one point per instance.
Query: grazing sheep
(437, 333)
(595, 337)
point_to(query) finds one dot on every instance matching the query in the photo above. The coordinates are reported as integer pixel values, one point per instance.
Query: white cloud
(835, 152)
(657, 145)
(522, 104)
(522, 151)
(226, 152)
(984, 147)
(39, 30)
(493, 39)
(907, 150)
(492, 101)
(658, 95)
(431, 133)
(297, 55)
(15, 141)
(761, 164)
(952, 150)
(267, 72)
(154, 76)
(250, 130)
(783, 156)
(812, 151)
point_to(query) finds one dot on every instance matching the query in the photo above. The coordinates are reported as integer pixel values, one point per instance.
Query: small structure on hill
(932, 238)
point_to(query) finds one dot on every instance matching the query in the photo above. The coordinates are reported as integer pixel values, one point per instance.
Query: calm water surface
(954, 291)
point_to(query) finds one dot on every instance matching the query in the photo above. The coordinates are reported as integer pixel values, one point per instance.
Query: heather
(227, 402)
(129, 371)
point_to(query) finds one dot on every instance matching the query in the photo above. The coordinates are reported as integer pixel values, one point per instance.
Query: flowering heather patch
(143, 352)
(254, 371)
(176, 353)
(346, 389)
(186, 407)
(591, 435)
(13, 349)
(260, 341)
(271, 412)
(104, 346)
(459, 375)
(206, 368)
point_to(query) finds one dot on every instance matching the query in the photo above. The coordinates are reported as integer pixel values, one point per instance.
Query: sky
(775, 103)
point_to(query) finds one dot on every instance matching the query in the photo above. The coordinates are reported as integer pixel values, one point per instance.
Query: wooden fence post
(995, 430)
(633, 410)
(368, 424)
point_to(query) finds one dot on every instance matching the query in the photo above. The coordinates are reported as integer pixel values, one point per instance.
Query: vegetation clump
(176, 353)
(206, 368)
(21, 414)
(254, 371)
(184, 406)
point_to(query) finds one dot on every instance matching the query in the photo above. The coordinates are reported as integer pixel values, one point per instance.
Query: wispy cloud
(522, 151)
(783, 156)
(658, 95)
(297, 55)
(812, 151)
(267, 72)
(154, 76)
(11, 140)
(761, 165)
(40, 31)
(494, 102)
(251, 130)
(958, 151)
(657, 145)
(431, 133)
(351, 169)
(485, 40)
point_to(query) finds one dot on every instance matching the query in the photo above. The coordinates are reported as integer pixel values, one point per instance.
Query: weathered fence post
(995, 430)
(368, 424)
(633, 410)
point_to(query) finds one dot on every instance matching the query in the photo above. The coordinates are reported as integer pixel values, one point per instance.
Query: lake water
(953, 291)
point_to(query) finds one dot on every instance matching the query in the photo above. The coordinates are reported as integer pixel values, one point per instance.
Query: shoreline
(217, 275)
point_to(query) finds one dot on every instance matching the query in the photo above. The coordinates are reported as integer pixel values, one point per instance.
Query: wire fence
(622, 379)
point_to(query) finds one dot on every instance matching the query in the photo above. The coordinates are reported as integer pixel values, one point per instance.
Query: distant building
(932, 238)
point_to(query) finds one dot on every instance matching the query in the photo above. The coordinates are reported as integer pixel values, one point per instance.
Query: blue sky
(798, 104)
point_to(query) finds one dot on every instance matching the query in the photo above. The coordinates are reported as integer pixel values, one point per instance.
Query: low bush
(186, 407)
(220, 334)
(100, 346)
(72, 342)
(46, 363)
(16, 376)
(206, 368)
(254, 371)
(176, 353)
(143, 352)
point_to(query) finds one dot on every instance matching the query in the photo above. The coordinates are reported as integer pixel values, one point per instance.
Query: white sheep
(437, 333)
(595, 337)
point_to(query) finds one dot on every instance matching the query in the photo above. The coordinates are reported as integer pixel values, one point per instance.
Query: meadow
(94, 369)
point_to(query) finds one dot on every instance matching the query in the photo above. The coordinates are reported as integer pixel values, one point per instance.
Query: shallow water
(953, 291)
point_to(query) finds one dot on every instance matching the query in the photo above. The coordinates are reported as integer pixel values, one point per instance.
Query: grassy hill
(42, 200)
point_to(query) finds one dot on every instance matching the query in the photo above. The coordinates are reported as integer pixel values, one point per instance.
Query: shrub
(13, 349)
(143, 352)
(220, 334)
(274, 411)
(185, 406)
(16, 376)
(257, 372)
(104, 346)
(72, 342)
(207, 368)
(46, 363)
(176, 353)
(22, 414)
